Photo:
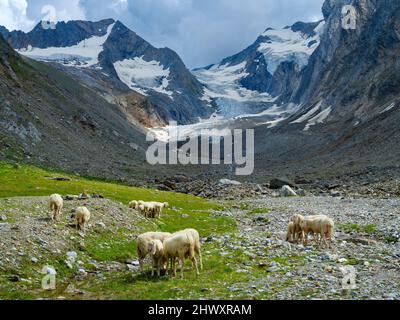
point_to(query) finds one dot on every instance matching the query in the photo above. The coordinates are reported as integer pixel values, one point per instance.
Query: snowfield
(84, 54)
(287, 45)
(140, 75)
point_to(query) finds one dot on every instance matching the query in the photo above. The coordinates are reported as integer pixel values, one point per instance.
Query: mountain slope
(48, 119)
(121, 66)
(349, 95)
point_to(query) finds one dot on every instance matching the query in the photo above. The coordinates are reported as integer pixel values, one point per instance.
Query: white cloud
(13, 15)
(201, 31)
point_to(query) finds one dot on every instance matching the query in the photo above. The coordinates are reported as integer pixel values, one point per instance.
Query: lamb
(56, 204)
(82, 216)
(142, 244)
(180, 246)
(156, 250)
(194, 234)
(318, 225)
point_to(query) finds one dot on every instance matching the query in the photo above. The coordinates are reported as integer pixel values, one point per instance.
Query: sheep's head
(166, 205)
(303, 225)
(297, 219)
(152, 248)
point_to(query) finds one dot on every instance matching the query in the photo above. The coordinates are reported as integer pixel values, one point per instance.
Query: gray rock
(287, 191)
(228, 182)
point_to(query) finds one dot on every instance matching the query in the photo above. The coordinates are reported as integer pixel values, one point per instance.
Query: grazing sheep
(156, 250)
(297, 232)
(134, 205)
(290, 235)
(82, 216)
(180, 246)
(155, 208)
(142, 244)
(327, 231)
(56, 204)
(319, 225)
(194, 234)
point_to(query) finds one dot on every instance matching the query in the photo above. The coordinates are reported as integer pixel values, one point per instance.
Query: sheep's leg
(181, 265)
(201, 260)
(194, 261)
(141, 264)
(174, 266)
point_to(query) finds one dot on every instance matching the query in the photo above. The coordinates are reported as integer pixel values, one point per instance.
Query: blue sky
(201, 31)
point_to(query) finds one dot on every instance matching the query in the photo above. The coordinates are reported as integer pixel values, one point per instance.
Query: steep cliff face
(349, 95)
(356, 73)
(114, 60)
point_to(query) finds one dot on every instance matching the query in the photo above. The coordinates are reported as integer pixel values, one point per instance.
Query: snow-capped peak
(84, 54)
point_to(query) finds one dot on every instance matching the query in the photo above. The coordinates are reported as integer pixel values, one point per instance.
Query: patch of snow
(390, 107)
(287, 45)
(319, 118)
(309, 114)
(84, 54)
(140, 75)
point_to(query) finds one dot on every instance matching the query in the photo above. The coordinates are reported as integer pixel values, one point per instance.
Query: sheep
(56, 204)
(82, 216)
(155, 208)
(297, 232)
(134, 205)
(142, 244)
(180, 246)
(290, 235)
(156, 250)
(318, 225)
(197, 245)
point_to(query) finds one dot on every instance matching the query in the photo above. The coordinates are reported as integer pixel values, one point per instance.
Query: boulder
(287, 191)
(278, 183)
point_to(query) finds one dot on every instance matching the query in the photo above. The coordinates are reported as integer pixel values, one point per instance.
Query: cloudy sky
(201, 31)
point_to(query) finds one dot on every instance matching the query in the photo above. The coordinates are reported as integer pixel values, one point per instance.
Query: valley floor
(243, 251)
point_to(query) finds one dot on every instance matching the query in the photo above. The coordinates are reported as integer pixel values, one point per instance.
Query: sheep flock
(168, 250)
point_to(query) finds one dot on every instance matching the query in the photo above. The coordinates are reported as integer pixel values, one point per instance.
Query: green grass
(32, 181)
(354, 227)
(118, 244)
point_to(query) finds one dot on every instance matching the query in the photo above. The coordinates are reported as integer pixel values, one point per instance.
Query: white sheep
(56, 204)
(179, 247)
(142, 244)
(319, 225)
(197, 244)
(297, 232)
(156, 251)
(291, 235)
(82, 216)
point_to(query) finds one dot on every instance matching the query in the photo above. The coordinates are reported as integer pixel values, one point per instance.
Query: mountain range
(321, 98)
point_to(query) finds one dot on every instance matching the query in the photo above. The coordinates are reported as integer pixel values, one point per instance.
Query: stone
(34, 260)
(228, 182)
(287, 191)
(3, 218)
(278, 183)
